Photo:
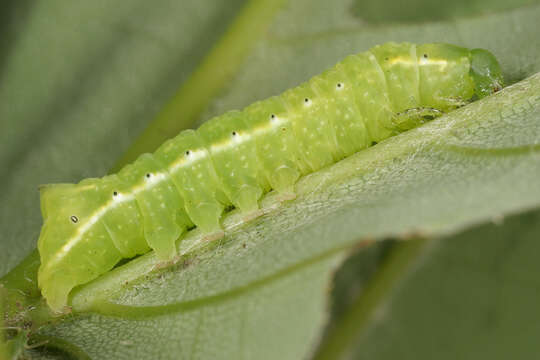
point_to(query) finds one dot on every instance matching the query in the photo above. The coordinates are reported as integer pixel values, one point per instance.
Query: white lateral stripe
(421, 61)
(114, 202)
(155, 179)
(194, 155)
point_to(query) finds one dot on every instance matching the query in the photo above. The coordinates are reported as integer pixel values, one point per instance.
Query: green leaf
(262, 292)
(263, 287)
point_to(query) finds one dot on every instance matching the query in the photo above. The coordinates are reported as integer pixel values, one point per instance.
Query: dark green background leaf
(471, 295)
(81, 80)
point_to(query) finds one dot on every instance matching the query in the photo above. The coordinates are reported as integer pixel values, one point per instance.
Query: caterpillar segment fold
(234, 159)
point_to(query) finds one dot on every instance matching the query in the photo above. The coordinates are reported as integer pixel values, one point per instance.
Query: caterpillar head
(486, 73)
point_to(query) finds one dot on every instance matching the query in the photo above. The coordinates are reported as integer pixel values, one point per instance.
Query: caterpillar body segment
(312, 131)
(276, 147)
(190, 167)
(159, 202)
(371, 95)
(233, 151)
(234, 159)
(341, 110)
(124, 221)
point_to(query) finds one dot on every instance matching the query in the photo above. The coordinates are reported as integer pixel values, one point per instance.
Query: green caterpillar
(235, 158)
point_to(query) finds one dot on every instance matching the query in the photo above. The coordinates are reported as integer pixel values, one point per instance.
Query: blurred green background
(80, 81)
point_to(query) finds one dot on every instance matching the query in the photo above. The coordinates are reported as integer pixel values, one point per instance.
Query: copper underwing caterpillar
(233, 159)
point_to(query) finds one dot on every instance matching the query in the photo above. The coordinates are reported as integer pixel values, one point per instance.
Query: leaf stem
(398, 264)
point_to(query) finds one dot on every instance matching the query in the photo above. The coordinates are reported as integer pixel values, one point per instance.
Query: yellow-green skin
(235, 158)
